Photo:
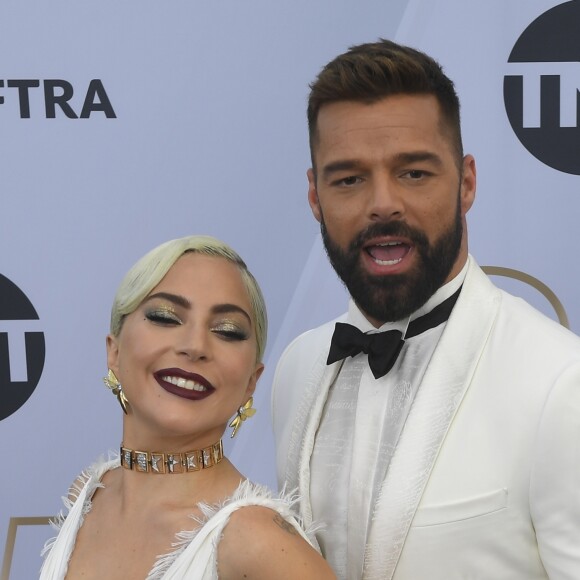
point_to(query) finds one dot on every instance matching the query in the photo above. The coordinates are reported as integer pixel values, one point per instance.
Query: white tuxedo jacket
(485, 480)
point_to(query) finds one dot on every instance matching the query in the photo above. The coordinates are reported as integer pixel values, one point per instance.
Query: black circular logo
(541, 89)
(22, 350)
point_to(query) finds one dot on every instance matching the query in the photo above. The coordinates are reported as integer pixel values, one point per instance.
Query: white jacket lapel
(445, 382)
(304, 431)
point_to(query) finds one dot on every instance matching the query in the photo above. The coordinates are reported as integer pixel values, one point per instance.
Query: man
(440, 440)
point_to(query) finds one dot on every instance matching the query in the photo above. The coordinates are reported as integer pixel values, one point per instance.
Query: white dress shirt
(361, 424)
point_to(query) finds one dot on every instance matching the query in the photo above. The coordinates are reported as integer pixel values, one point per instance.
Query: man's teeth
(184, 383)
(387, 262)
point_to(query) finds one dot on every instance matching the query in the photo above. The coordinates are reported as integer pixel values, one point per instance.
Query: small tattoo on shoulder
(282, 523)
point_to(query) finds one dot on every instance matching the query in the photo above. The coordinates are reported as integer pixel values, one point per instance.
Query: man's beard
(395, 296)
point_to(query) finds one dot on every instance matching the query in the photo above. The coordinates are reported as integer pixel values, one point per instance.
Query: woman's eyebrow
(185, 303)
(227, 308)
(175, 298)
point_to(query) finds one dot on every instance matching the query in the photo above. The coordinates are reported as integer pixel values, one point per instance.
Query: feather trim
(85, 485)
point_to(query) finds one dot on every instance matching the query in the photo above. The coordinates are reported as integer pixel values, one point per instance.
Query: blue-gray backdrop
(125, 124)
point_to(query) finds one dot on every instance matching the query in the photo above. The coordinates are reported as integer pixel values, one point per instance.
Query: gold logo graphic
(535, 283)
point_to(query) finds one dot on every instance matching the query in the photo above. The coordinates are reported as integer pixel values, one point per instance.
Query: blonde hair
(152, 267)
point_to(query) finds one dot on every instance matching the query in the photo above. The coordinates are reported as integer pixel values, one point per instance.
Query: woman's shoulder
(264, 538)
(249, 502)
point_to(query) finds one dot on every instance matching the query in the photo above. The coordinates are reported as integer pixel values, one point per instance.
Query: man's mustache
(393, 228)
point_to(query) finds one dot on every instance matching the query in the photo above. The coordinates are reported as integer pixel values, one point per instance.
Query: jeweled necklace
(158, 462)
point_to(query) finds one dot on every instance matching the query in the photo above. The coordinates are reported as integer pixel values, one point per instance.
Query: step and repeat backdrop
(126, 124)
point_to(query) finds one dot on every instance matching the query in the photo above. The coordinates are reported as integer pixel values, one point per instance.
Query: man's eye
(416, 173)
(350, 180)
(163, 316)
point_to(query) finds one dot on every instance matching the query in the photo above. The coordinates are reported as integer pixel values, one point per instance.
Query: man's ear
(313, 195)
(468, 183)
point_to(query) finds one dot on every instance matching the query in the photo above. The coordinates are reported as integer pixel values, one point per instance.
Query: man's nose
(386, 201)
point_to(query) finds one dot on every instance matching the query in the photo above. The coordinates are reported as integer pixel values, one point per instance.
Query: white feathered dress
(195, 553)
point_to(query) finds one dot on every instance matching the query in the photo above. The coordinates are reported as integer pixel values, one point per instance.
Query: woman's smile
(184, 384)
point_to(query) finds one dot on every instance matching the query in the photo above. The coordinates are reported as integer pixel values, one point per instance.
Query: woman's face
(186, 357)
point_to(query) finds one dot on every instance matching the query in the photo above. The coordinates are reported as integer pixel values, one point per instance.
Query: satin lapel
(303, 435)
(446, 380)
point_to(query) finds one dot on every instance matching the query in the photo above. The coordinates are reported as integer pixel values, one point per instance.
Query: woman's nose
(194, 343)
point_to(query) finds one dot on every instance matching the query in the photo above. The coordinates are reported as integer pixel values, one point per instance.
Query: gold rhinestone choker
(157, 462)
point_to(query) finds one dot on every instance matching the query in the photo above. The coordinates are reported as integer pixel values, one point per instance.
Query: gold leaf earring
(244, 412)
(113, 383)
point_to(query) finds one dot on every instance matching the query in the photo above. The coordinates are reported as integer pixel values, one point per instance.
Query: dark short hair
(370, 72)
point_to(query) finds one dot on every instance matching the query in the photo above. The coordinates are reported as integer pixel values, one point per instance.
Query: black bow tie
(383, 348)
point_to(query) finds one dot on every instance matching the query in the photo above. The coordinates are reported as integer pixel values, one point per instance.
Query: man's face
(391, 201)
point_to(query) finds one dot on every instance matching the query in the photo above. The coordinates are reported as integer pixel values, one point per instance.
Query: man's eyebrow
(227, 308)
(175, 298)
(340, 165)
(419, 156)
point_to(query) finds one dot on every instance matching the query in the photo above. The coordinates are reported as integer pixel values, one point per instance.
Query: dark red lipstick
(194, 394)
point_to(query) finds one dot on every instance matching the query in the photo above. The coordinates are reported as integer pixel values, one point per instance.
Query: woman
(188, 330)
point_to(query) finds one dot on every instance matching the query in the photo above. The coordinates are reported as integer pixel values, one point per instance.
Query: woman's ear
(112, 353)
(254, 379)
